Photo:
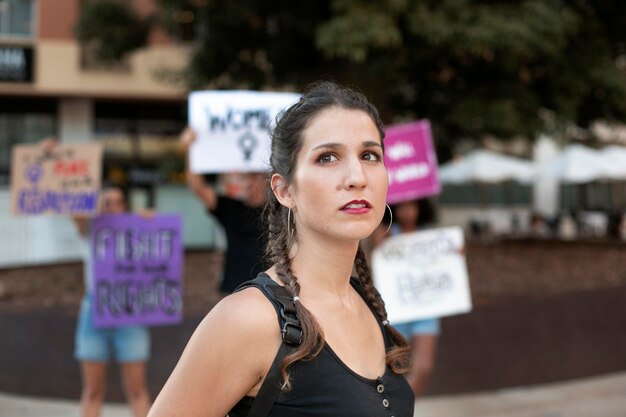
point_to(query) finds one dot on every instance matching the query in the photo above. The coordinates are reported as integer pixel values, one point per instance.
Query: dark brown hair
(286, 143)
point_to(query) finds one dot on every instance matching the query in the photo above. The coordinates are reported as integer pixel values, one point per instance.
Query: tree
(473, 67)
(113, 28)
(476, 68)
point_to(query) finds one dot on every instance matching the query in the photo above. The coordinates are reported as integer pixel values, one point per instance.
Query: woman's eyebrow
(331, 145)
(335, 145)
(370, 143)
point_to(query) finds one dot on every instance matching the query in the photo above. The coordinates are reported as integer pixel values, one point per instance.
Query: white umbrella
(615, 157)
(577, 164)
(486, 167)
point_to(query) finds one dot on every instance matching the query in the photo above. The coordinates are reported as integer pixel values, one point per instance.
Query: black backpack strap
(292, 338)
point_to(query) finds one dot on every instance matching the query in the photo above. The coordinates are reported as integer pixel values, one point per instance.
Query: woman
(94, 347)
(328, 189)
(129, 345)
(408, 216)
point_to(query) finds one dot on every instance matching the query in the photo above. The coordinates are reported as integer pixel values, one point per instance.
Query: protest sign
(422, 275)
(137, 270)
(411, 162)
(65, 180)
(232, 129)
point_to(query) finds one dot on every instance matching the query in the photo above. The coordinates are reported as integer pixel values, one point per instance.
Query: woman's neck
(323, 266)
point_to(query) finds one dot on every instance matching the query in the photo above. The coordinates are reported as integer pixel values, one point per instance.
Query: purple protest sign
(137, 270)
(411, 162)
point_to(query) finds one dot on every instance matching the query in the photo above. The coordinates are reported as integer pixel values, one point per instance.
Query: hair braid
(398, 356)
(278, 249)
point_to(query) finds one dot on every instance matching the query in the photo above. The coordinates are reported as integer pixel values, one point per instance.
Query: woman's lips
(357, 207)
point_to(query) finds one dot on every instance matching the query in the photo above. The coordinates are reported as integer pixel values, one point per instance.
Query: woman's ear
(280, 188)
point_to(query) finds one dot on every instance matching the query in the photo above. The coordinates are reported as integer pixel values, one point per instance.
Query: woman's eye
(326, 158)
(371, 156)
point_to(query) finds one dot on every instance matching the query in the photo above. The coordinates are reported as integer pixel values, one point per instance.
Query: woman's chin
(357, 233)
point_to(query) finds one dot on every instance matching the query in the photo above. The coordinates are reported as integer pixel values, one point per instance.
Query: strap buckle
(291, 331)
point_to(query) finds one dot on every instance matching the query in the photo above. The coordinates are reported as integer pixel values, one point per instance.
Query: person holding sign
(422, 334)
(241, 221)
(337, 354)
(94, 346)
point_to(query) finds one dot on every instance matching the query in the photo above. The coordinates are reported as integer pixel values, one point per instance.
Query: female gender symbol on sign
(247, 142)
(34, 173)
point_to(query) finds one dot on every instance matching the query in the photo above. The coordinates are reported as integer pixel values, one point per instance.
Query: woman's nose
(355, 177)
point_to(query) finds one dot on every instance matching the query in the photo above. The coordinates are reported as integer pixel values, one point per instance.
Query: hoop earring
(289, 229)
(390, 218)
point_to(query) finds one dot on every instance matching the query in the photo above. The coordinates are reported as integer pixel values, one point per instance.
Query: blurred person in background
(409, 217)
(622, 227)
(129, 344)
(94, 347)
(241, 220)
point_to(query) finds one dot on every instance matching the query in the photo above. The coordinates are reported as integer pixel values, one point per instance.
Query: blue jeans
(418, 327)
(125, 343)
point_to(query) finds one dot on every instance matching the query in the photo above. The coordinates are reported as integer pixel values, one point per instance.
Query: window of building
(23, 121)
(17, 18)
(141, 141)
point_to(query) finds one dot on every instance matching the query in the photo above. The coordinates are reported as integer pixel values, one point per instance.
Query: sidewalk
(603, 396)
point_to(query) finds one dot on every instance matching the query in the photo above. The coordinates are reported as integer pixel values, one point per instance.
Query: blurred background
(527, 104)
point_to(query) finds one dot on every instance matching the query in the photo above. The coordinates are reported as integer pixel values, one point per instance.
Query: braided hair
(287, 137)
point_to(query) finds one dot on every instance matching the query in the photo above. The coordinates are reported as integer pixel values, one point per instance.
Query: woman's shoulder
(246, 314)
(234, 345)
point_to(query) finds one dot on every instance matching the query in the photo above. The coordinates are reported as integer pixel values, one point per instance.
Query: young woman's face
(113, 201)
(340, 183)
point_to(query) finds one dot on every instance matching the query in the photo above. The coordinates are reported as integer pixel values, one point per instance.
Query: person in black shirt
(241, 220)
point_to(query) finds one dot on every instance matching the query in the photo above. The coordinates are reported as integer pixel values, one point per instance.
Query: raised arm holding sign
(241, 219)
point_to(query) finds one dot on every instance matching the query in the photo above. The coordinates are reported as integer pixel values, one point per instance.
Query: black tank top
(326, 386)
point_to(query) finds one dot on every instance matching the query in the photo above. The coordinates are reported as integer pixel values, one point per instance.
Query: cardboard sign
(64, 181)
(411, 162)
(422, 275)
(138, 265)
(232, 129)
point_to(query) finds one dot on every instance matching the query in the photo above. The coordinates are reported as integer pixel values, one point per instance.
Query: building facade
(50, 86)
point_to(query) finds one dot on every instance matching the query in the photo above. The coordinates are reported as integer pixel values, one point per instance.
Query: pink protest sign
(411, 162)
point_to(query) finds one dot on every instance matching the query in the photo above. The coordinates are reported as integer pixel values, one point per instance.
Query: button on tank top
(326, 386)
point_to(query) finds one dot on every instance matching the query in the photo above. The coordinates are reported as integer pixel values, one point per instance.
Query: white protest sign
(232, 129)
(422, 275)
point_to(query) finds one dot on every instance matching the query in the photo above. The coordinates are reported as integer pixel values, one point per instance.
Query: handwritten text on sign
(422, 275)
(63, 181)
(137, 270)
(232, 129)
(411, 162)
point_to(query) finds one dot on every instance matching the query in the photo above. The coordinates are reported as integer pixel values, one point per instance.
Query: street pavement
(601, 396)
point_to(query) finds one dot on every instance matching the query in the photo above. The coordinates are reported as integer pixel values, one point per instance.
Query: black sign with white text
(16, 64)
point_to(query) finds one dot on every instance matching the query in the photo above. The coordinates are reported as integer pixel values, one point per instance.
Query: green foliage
(473, 67)
(114, 29)
(490, 67)
(256, 44)
(360, 26)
